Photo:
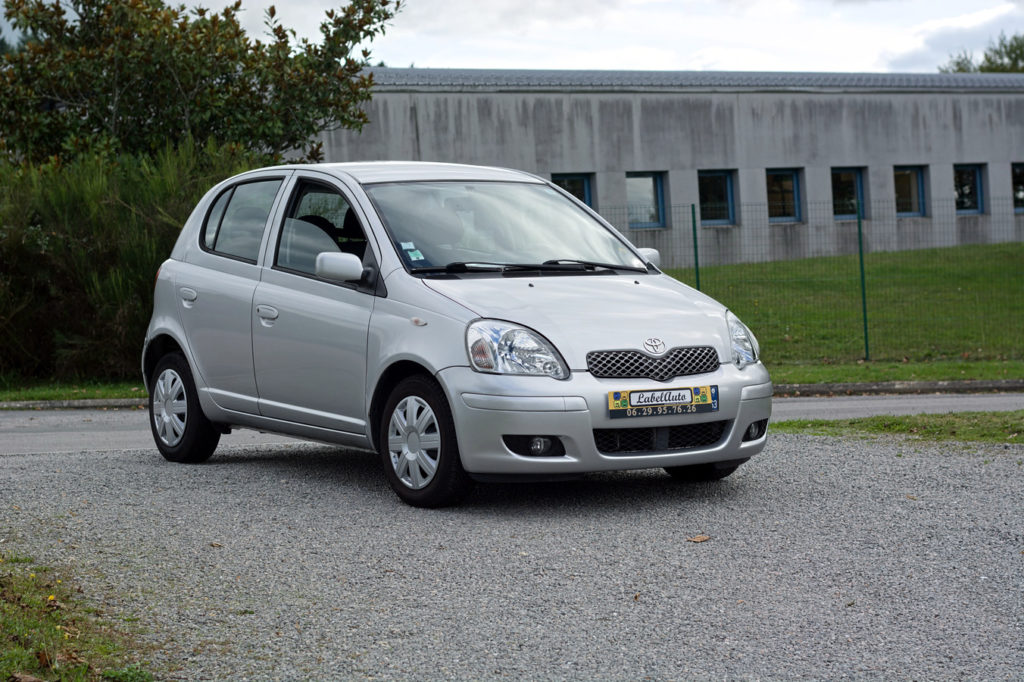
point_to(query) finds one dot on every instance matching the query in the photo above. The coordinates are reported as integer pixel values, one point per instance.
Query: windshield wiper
(488, 266)
(593, 265)
(461, 266)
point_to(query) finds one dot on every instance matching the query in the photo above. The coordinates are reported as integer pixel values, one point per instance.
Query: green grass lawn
(959, 303)
(875, 371)
(985, 427)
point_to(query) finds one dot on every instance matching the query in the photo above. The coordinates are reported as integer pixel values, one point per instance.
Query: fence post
(863, 287)
(696, 258)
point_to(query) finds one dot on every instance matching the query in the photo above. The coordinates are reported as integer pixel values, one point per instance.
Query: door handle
(266, 312)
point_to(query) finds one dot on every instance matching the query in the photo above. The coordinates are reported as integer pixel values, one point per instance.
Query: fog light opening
(535, 446)
(756, 430)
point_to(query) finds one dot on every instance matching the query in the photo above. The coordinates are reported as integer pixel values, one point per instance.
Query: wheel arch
(158, 346)
(390, 378)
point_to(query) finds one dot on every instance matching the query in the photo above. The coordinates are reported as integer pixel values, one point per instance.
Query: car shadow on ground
(358, 473)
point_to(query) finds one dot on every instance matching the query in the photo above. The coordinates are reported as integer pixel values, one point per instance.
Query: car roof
(368, 172)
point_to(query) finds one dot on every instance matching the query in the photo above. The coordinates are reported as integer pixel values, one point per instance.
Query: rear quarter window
(234, 227)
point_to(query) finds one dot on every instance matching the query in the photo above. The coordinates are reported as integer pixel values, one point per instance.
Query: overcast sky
(731, 35)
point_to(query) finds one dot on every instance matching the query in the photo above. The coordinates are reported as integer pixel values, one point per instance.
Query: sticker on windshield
(408, 246)
(415, 255)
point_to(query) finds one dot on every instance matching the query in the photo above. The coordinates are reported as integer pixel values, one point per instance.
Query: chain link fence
(829, 287)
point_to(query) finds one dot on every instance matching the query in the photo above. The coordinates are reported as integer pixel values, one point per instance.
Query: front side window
(645, 197)
(847, 193)
(234, 226)
(1017, 177)
(968, 189)
(908, 182)
(485, 226)
(783, 196)
(318, 220)
(576, 184)
(716, 197)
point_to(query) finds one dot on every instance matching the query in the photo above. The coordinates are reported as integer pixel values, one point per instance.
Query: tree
(1004, 55)
(133, 76)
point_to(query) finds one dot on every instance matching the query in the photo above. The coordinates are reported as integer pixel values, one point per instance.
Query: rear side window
(236, 222)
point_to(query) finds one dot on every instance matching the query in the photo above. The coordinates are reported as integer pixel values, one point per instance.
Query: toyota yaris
(466, 323)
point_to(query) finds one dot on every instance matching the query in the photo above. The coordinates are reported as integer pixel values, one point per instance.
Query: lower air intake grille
(685, 437)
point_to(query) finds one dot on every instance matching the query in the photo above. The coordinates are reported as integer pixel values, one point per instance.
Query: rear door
(309, 334)
(215, 289)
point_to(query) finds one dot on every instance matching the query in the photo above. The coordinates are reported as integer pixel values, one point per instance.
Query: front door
(309, 334)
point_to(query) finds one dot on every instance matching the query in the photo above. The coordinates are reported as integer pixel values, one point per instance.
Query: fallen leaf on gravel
(216, 544)
(636, 597)
(911, 497)
(699, 538)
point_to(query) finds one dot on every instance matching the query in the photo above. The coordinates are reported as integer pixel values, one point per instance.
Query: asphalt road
(824, 558)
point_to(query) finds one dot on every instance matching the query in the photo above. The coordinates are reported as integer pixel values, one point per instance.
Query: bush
(80, 244)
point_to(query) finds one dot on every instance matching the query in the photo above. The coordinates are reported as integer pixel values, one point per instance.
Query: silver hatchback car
(467, 323)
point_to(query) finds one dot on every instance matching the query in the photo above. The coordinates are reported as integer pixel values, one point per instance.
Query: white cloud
(747, 35)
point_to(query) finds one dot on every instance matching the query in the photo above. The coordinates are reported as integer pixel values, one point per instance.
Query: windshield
(487, 225)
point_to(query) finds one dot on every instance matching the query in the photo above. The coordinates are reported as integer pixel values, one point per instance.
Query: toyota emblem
(655, 345)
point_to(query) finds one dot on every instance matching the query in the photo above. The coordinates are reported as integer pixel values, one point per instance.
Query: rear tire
(418, 448)
(704, 473)
(182, 432)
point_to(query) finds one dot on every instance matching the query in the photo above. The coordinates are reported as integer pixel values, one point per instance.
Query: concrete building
(774, 165)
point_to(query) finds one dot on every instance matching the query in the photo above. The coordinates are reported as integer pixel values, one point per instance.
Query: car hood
(583, 313)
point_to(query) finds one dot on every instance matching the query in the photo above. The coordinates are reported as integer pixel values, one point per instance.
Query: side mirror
(651, 256)
(339, 267)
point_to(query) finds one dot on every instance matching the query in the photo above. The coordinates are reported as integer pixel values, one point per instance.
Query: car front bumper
(487, 407)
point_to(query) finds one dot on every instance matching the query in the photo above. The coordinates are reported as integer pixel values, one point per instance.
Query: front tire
(704, 473)
(418, 448)
(182, 432)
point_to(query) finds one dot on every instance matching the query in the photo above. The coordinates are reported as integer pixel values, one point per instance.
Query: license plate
(662, 401)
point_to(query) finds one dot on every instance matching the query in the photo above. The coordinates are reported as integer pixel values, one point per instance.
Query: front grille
(634, 364)
(661, 438)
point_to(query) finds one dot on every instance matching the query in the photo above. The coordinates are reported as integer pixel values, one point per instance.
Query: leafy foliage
(80, 244)
(1004, 55)
(131, 76)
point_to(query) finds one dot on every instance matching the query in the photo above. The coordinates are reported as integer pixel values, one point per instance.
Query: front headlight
(498, 347)
(745, 350)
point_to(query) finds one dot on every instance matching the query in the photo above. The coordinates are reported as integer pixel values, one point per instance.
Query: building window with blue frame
(577, 184)
(716, 197)
(968, 189)
(1017, 177)
(847, 193)
(908, 182)
(645, 199)
(783, 195)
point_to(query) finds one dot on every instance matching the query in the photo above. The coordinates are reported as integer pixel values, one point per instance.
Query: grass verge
(49, 635)
(984, 427)
(12, 391)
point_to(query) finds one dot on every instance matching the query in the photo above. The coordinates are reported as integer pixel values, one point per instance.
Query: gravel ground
(860, 559)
